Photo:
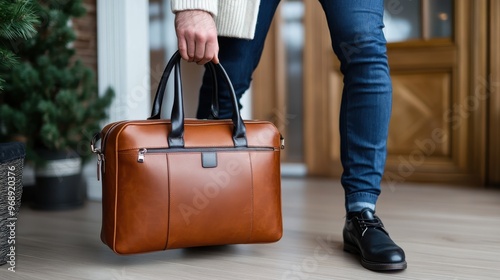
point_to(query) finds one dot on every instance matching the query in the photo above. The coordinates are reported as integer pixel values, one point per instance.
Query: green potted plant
(50, 100)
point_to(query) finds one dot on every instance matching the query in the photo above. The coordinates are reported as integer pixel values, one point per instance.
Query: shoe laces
(365, 224)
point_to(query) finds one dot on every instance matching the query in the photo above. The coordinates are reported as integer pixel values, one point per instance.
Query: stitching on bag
(252, 195)
(169, 202)
(196, 150)
(116, 188)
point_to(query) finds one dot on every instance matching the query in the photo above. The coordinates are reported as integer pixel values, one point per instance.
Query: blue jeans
(357, 40)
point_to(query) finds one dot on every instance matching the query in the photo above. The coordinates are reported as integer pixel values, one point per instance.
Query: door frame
(493, 154)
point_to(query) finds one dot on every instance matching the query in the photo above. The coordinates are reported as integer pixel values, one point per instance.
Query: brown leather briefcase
(182, 183)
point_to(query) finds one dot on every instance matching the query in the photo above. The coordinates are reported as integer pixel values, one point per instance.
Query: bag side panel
(109, 186)
(267, 216)
(210, 206)
(142, 203)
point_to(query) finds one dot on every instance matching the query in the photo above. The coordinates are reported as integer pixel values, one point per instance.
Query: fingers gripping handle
(176, 136)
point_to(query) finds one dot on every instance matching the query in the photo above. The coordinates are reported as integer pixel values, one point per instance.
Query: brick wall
(86, 30)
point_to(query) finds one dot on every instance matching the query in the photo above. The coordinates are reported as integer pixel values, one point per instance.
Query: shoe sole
(375, 266)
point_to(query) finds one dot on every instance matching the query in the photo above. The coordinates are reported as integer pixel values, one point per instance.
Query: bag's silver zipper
(101, 161)
(100, 165)
(141, 154)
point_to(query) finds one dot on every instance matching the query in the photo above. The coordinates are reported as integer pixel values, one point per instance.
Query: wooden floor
(448, 233)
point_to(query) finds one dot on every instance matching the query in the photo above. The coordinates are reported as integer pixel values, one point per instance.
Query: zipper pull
(142, 153)
(282, 142)
(98, 169)
(99, 153)
(100, 165)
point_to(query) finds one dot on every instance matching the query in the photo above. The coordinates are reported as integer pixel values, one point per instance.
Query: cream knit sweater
(234, 18)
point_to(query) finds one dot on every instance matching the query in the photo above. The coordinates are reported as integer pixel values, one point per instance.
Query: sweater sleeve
(237, 18)
(210, 6)
(234, 18)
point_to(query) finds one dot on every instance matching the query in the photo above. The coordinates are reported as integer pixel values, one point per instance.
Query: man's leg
(239, 57)
(359, 43)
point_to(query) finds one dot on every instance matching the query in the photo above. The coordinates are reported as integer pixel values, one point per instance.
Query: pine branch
(7, 57)
(17, 20)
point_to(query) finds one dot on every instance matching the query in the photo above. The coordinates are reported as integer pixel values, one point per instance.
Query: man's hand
(197, 36)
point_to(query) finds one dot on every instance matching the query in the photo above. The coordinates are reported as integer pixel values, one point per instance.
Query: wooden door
(438, 129)
(441, 84)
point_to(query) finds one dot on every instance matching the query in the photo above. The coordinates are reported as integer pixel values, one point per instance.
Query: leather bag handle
(176, 136)
(160, 91)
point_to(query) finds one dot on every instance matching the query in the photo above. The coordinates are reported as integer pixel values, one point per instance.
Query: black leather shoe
(364, 234)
